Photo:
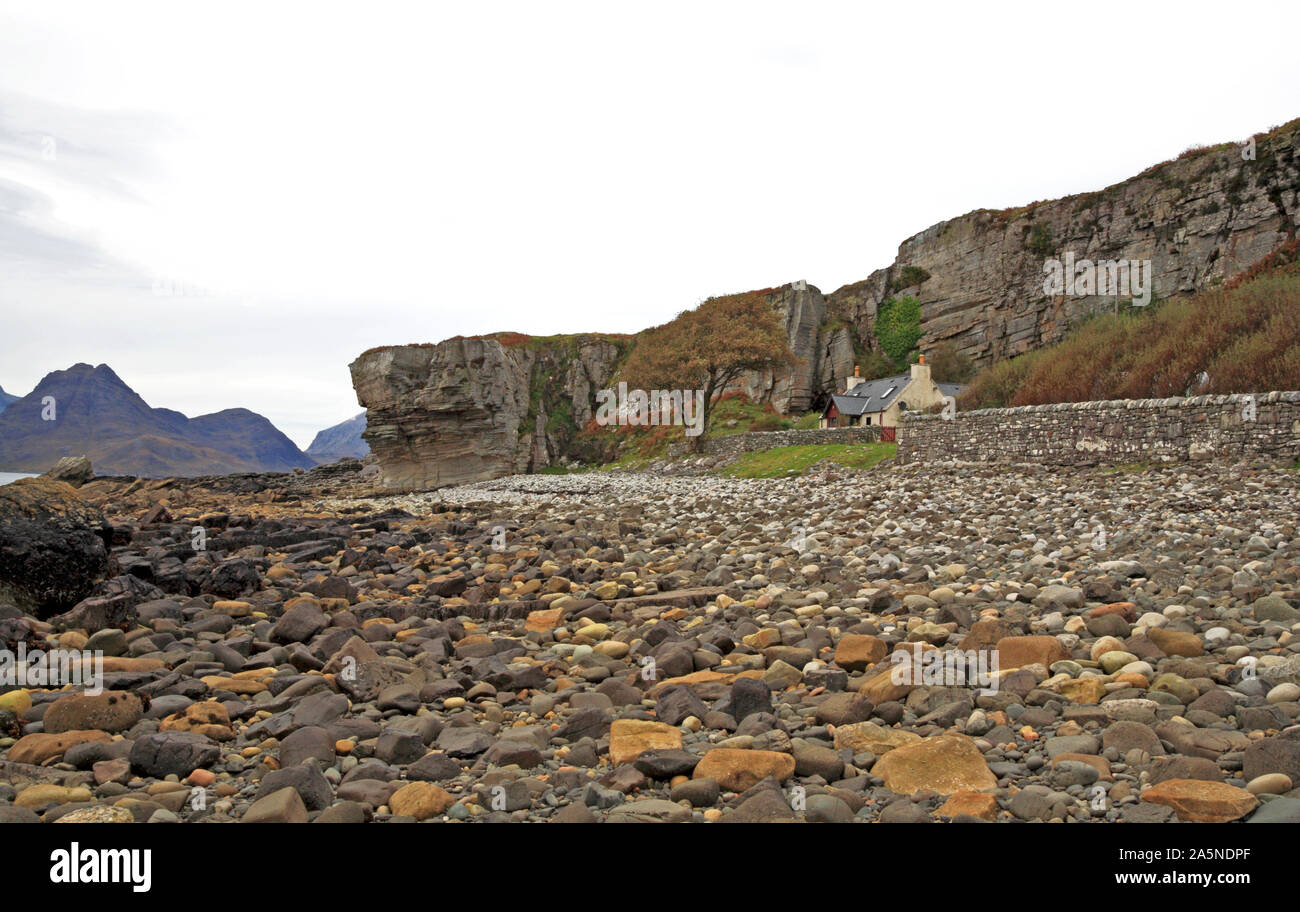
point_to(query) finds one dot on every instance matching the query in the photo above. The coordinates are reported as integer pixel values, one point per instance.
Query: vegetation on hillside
(708, 348)
(595, 444)
(907, 277)
(1243, 337)
(898, 328)
(947, 365)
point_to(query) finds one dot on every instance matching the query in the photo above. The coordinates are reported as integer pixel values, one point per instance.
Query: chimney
(921, 370)
(854, 380)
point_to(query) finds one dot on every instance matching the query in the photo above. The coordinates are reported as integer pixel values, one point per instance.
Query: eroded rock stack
(470, 409)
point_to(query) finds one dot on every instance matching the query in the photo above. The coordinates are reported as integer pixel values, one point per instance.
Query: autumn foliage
(708, 348)
(1243, 338)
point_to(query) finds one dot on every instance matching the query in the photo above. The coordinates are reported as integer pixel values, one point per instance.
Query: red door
(888, 435)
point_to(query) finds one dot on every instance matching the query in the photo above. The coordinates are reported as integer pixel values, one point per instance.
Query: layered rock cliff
(468, 409)
(1200, 219)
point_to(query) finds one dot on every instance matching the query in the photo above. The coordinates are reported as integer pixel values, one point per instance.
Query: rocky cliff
(469, 409)
(1200, 219)
(476, 408)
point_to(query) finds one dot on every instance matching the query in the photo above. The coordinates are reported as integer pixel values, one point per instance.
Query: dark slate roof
(872, 396)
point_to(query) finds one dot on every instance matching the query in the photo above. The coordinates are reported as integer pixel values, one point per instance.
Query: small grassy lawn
(782, 461)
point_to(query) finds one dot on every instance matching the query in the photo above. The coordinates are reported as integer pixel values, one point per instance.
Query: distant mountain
(97, 415)
(342, 440)
(6, 399)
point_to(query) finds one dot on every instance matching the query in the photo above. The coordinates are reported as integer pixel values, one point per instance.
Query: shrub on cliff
(898, 327)
(1040, 241)
(875, 365)
(907, 277)
(708, 348)
(947, 365)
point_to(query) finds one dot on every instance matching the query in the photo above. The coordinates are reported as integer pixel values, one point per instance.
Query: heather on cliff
(1242, 338)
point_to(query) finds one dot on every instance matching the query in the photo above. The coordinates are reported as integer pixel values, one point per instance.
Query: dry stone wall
(1115, 432)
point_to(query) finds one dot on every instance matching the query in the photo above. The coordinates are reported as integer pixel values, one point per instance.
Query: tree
(708, 348)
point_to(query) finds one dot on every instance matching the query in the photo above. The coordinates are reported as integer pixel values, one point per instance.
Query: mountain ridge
(340, 441)
(91, 411)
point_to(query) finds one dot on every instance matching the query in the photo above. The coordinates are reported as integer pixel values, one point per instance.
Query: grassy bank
(782, 461)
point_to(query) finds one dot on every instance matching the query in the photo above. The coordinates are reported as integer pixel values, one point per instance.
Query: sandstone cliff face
(471, 409)
(1199, 220)
(818, 347)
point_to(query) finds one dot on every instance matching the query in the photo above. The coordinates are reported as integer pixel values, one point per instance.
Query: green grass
(808, 421)
(780, 462)
(1128, 468)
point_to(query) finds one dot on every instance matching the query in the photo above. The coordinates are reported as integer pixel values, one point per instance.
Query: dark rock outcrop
(53, 545)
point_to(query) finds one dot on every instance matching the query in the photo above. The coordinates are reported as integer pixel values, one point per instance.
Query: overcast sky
(228, 202)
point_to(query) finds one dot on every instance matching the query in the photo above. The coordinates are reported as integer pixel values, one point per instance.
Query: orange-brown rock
(545, 620)
(1126, 610)
(110, 711)
(420, 800)
(1018, 651)
(629, 738)
(868, 737)
(1088, 689)
(41, 747)
(856, 652)
(706, 676)
(946, 764)
(207, 718)
(736, 770)
(880, 687)
(1176, 642)
(1201, 800)
(976, 804)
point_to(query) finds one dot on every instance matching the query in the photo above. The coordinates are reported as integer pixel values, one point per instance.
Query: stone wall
(1111, 433)
(735, 444)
